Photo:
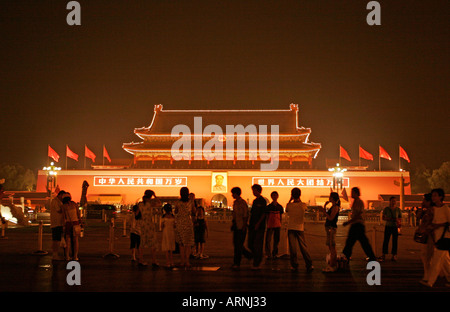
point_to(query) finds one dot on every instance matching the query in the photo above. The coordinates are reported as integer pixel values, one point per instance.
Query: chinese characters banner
(140, 181)
(298, 182)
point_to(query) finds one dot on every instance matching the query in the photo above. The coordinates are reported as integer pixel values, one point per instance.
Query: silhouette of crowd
(184, 230)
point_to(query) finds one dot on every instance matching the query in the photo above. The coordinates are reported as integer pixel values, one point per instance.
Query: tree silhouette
(17, 178)
(440, 178)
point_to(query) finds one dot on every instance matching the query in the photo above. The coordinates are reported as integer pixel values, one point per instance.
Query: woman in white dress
(149, 209)
(184, 227)
(440, 261)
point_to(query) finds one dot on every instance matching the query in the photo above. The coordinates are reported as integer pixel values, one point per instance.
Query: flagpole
(359, 153)
(399, 162)
(379, 158)
(103, 158)
(85, 156)
(66, 156)
(339, 154)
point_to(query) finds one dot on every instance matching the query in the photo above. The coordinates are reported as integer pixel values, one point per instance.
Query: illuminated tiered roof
(155, 149)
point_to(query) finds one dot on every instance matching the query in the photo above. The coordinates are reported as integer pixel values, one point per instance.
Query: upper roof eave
(163, 121)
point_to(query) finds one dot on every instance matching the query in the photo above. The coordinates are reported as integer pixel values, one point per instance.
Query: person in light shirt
(440, 261)
(295, 211)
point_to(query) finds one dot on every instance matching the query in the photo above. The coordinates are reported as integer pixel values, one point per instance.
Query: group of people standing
(434, 216)
(183, 226)
(433, 223)
(254, 224)
(262, 214)
(295, 210)
(434, 226)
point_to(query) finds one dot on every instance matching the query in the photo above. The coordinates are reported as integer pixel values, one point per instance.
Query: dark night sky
(355, 84)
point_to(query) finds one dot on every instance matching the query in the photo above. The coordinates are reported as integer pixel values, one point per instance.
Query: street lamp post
(402, 185)
(52, 172)
(338, 175)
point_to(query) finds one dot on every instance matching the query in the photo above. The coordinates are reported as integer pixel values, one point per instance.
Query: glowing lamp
(338, 174)
(52, 172)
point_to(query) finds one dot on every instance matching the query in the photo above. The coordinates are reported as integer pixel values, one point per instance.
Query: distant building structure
(153, 166)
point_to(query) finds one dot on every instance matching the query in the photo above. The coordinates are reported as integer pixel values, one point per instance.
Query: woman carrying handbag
(424, 232)
(440, 261)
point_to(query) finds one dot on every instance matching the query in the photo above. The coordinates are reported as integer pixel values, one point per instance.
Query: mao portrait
(219, 182)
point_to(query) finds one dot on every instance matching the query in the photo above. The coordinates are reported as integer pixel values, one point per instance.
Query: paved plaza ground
(23, 271)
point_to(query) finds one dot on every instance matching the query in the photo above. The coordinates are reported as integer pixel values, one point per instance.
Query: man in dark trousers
(274, 212)
(257, 226)
(239, 227)
(357, 229)
(393, 217)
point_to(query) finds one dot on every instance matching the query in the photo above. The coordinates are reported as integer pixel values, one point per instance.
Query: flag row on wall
(70, 154)
(382, 153)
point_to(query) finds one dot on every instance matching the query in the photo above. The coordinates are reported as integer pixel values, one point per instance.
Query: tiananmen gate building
(193, 148)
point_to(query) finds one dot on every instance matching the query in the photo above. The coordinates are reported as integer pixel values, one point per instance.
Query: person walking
(440, 261)
(425, 217)
(295, 211)
(168, 234)
(57, 224)
(331, 215)
(257, 226)
(149, 207)
(393, 218)
(184, 228)
(239, 227)
(357, 231)
(274, 212)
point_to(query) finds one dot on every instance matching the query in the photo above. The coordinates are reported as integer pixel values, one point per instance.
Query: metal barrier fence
(220, 218)
(120, 225)
(313, 217)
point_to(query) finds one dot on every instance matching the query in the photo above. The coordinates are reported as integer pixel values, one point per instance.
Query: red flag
(71, 154)
(364, 154)
(88, 153)
(105, 154)
(384, 154)
(403, 154)
(343, 153)
(53, 154)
